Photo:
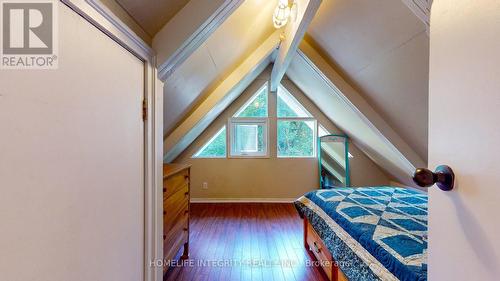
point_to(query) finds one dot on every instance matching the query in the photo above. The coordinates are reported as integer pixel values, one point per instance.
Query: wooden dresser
(175, 210)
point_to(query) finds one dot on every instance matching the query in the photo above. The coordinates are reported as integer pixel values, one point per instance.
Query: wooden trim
(165, 69)
(97, 14)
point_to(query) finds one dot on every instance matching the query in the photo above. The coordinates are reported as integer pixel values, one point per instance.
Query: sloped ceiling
(152, 14)
(382, 49)
(224, 50)
(345, 107)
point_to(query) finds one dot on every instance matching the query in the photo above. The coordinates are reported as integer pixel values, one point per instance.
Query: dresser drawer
(322, 254)
(175, 210)
(174, 216)
(320, 251)
(177, 199)
(171, 247)
(175, 237)
(175, 182)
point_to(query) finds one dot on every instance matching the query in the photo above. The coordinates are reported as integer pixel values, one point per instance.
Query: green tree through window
(296, 138)
(296, 127)
(248, 128)
(256, 106)
(215, 147)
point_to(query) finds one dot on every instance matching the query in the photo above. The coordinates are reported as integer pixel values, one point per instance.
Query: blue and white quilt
(373, 233)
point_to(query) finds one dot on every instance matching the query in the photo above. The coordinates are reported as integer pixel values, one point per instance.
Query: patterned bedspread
(373, 233)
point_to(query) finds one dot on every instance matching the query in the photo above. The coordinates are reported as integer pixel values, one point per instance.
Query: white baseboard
(242, 200)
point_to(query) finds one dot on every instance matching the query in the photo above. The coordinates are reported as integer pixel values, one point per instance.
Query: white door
(71, 163)
(464, 132)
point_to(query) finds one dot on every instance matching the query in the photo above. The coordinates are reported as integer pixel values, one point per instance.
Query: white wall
(71, 163)
(464, 133)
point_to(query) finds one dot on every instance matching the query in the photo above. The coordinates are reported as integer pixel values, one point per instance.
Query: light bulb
(281, 14)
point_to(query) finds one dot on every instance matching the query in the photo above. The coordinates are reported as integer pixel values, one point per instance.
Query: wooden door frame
(97, 14)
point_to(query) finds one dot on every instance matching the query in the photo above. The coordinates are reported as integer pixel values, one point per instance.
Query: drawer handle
(164, 189)
(186, 212)
(164, 212)
(186, 193)
(316, 248)
(164, 236)
(185, 229)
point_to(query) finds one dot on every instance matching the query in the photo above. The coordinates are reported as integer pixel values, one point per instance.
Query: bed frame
(317, 248)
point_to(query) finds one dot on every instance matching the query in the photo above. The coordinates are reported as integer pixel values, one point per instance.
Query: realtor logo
(29, 37)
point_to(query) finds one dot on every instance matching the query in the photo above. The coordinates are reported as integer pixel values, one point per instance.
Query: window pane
(248, 139)
(288, 106)
(296, 138)
(256, 106)
(215, 147)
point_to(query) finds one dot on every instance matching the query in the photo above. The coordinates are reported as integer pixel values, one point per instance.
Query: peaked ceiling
(222, 52)
(152, 15)
(380, 48)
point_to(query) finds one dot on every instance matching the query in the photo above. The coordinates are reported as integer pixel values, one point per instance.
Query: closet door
(71, 162)
(464, 132)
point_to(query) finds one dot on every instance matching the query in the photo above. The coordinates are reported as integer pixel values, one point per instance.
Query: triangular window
(215, 147)
(256, 106)
(288, 106)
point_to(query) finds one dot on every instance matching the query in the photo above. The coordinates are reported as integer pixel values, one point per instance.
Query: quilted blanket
(373, 233)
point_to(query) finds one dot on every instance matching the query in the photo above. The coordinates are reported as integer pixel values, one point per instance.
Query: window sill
(248, 157)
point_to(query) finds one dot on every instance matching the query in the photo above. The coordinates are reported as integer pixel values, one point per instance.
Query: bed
(370, 233)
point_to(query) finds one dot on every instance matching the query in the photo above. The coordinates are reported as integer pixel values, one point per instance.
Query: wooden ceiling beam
(293, 33)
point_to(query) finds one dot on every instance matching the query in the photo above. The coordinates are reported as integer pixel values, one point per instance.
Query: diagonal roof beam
(220, 98)
(421, 8)
(345, 107)
(293, 34)
(187, 30)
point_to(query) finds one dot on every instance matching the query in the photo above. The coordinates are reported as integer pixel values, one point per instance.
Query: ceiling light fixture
(283, 12)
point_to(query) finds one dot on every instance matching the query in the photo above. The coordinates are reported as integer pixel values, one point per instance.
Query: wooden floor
(245, 242)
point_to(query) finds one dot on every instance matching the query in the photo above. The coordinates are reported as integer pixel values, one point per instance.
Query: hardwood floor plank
(249, 241)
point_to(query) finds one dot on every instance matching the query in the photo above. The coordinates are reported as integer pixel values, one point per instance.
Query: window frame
(251, 100)
(315, 136)
(294, 99)
(195, 155)
(309, 117)
(233, 121)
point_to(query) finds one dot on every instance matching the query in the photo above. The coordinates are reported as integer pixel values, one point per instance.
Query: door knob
(443, 177)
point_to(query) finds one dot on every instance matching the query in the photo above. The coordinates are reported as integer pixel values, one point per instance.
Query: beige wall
(271, 178)
(464, 132)
(71, 164)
